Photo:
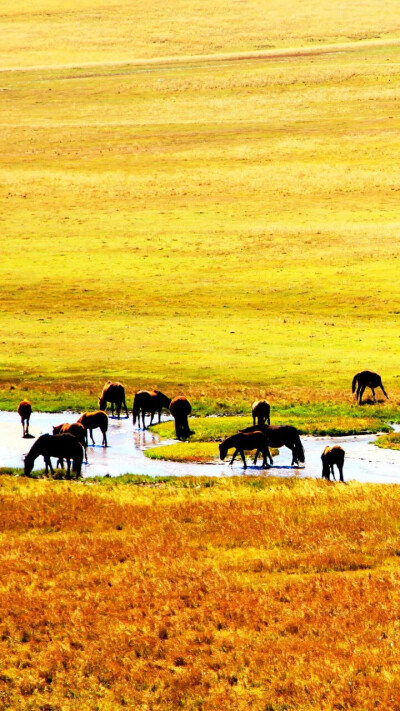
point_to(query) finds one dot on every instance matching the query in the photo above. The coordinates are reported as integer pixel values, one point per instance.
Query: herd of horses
(69, 442)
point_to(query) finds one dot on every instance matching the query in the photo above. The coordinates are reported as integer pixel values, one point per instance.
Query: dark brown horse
(260, 410)
(62, 446)
(76, 429)
(114, 393)
(367, 379)
(149, 402)
(282, 436)
(246, 442)
(330, 456)
(93, 420)
(25, 411)
(180, 409)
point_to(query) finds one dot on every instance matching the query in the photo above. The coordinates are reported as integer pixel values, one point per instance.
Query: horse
(62, 446)
(260, 410)
(246, 441)
(76, 429)
(25, 411)
(149, 402)
(91, 421)
(180, 409)
(282, 436)
(114, 393)
(330, 456)
(367, 379)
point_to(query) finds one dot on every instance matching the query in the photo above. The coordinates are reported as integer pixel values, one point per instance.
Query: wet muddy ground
(125, 454)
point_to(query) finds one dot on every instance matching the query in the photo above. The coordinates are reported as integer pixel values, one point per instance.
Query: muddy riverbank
(364, 461)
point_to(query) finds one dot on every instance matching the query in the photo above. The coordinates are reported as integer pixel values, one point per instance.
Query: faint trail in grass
(265, 54)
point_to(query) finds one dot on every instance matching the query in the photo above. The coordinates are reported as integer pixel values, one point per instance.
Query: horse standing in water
(367, 379)
(62, 446)
(330, 456)
(246, 442)
(114, 393)
(180, 409)
(149, 402)
(25, 411)
(260, 410)
(282, 436)
(91, 421)
(76, 429)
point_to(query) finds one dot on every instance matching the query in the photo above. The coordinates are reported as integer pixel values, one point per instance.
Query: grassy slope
(198, 594)
(223, 229)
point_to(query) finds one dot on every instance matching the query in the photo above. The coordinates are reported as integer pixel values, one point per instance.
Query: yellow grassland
(220, 227)
(257, 593)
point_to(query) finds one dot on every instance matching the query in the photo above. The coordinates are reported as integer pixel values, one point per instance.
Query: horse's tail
(298, 450)
(354, 383)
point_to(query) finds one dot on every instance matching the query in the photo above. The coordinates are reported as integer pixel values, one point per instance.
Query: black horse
(180, 409)
(148, 402)
(367, 379)
(62, 446)
(246, 442)
(282, 436)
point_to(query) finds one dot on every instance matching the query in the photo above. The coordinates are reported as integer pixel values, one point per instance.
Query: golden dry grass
(261, 594)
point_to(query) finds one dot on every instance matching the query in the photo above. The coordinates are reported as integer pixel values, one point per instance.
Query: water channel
(364, 461)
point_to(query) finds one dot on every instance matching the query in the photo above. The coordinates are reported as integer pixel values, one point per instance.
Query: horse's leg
(91, 436)
(384, 392)
(362, 389)
(294, 460)
(373, 393)
(244, 458)
(340, 467)
(104, 438)
(256, 457)
(267, 454)
(332, 471)
(234, 455)
(50, 466)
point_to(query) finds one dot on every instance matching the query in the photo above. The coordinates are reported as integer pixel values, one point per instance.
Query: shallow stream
(125, 454)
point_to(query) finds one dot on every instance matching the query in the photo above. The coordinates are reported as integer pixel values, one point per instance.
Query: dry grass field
(222, 228)
(253, 593)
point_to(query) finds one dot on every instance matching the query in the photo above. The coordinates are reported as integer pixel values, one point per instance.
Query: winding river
(364, 461)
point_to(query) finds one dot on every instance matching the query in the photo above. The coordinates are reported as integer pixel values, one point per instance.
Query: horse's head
(222, 450)
(28, 464)
(102, 403)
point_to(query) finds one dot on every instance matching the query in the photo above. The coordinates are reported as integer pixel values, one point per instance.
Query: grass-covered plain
(224, 229)
(199, 594)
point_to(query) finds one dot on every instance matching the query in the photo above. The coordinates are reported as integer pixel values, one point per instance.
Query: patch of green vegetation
(388, 441)
(310, 419)
(185, 452)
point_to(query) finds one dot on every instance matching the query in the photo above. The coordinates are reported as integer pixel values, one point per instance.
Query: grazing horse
(367, 379)
(76, 429)
(246, 441)
(260, 410)
(91, 421)
(180, 409)
(62, 446)
(114, 393)
(282, 436)
(330, 456)
(149, 402)
(25, 411)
